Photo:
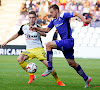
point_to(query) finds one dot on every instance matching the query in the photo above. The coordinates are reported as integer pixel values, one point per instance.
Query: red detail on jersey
(31, 39)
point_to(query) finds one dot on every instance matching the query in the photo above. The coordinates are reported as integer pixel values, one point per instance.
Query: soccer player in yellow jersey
(34, 47)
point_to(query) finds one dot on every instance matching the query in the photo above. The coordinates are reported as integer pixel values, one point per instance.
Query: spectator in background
(44, 20)
(23, 14)
(54, 2)
(43, 9)
(34, 2)
(23, 10)
(33, 8)
(39, 20)
(86, 8)
(39, 2)
(37, 7)
(28, 4)
(63, 3)
(97, 6)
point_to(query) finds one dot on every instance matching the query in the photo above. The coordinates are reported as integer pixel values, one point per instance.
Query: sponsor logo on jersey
(57, 25)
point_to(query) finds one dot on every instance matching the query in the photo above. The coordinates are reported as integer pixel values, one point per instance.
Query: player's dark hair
(32, 12)
(54, 6)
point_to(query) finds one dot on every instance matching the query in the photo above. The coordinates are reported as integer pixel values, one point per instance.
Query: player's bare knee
(71, 64)
(49, 45)
(19, 60)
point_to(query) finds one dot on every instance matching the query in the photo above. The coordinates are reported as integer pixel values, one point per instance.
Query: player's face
(53, 13)
(32, 18)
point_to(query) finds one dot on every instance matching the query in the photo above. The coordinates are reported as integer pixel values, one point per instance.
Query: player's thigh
(69, 54)
(29, 54)
(40, 54)
(64, 44)
(51, 44)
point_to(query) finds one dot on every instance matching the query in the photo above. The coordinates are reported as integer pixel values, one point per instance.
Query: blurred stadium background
(13, 13)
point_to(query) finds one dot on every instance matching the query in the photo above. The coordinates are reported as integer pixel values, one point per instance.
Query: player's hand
(88, 21)
(2, 45)
(32, 28)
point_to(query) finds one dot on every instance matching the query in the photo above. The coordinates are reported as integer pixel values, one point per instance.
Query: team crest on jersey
(57, 25)
(57, 41)
(59, 19)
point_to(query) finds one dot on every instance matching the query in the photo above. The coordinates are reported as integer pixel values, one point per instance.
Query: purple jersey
(62, 25)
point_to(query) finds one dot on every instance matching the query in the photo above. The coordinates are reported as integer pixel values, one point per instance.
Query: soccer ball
(31, 67)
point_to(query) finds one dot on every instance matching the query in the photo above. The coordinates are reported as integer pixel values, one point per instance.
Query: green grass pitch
(13, 77)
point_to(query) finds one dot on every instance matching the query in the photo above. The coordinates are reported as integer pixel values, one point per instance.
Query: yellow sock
(54, 74)
(23, 64)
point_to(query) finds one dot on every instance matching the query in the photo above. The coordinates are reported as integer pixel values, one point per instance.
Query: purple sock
(81, 72)
(49, 59)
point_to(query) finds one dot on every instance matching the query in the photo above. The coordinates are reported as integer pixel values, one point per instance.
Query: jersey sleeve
(68, 15)
(20, 32)
(51, 25)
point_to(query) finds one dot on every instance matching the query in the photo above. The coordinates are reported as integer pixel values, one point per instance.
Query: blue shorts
(66, 46)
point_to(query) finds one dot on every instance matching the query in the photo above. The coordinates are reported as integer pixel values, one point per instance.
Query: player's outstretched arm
(10, 39)
(46, 30)
(42, 33)
(82, 18)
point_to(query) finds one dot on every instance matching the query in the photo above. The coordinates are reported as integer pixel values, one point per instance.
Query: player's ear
(35, 18)
(57, 10)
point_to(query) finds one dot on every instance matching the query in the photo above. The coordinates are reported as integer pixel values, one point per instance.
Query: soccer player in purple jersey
(66, 44)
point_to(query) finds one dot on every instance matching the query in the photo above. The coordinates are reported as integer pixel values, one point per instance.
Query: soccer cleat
(87, 82)
(60, 83)
(47, 72)
(32, 77)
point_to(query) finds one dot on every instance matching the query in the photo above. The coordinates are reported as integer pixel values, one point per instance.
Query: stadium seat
(91, 29)
(81, 35)
(85, 42)
(98, 42)
(73, 23)
(78, 42)
(97, 23)
(92, 42)
(84, 29)
(79, 24)
(77, 29)
(93, 24)
(95, 35)
(88, 35)
(75, 35)
(97, 30)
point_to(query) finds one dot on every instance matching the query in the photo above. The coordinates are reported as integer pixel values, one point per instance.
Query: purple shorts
(66, 46)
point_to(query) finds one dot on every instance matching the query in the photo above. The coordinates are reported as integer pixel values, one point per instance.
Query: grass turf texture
(13, 77)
